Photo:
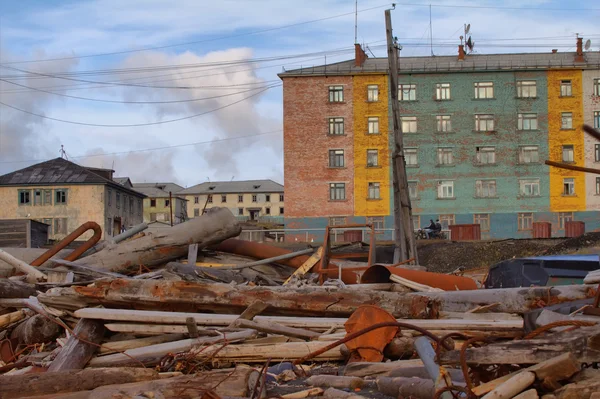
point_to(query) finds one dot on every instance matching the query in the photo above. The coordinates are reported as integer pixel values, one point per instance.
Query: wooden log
(13, 302)
(36, 330)
(216, 225)
(366, 369)
(255, 308)
(155, 329)
(119, 346)
(187, 296)
(15, 289)
(333, 393)
(399, 347)
(579, 390)
(417, 388)
(513, 386)
(335, 381)
(80, 347)
(273, 328)
(225, 383)
(13, 317)
(307, 265)
(529, 394)
(151, 355)
(307, 393)
(69, 381)
(23, 267)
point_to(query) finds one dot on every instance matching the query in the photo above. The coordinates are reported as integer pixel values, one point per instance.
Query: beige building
(250, 199)
(162, 201)
(65, 195)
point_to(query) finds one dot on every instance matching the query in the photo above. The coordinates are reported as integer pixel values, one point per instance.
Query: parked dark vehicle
(541, 271)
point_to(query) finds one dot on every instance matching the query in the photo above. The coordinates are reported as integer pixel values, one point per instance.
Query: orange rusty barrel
(447, 282)
(574, 229)
(542, 230)
(465, 232)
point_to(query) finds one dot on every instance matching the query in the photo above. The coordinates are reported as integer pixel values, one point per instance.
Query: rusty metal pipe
(69, 239)
(447, 282)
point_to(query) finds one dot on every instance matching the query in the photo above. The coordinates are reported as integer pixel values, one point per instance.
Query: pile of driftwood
(105, 327)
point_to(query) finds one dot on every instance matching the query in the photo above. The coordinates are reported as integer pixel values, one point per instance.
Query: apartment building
(162, 202)
(249, 200)
(477, 130)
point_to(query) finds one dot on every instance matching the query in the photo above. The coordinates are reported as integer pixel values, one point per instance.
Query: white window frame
(564, 217)
(336, 188)
(447, 220)
(336, 94)
(597, 185)
(485, 188)
(336, 126)
(484, 90)
(413, 190)
(484, 123)
(445, 156)
(336, 158)
(378, 222)
(372, 93)
(526, 89)
(529, 154)
(566, 120)
(568, 153)
(529, 187)
(527, 121)
(525, 221)
(409, 124)
(411, 157)
(566, 88)
(483, 220)
(568, 187)
(485, 155)
(373, 124)
(407, 92)
(597, 87)
(442, 91)
(445, 189)
(444, 123)
(374, 190)
(596, 119)
(372, 158)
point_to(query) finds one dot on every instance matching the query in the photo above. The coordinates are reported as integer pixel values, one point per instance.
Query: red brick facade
(306, 109)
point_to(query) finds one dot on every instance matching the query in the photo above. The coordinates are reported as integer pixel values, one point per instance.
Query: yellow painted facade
(196, 203)
(559, 137)
(363, 141)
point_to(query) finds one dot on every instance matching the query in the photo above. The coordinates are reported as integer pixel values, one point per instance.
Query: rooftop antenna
(588, 44)
(232, 178)
(430, 31)
(356, 21)
(369, 50)
(63, 153)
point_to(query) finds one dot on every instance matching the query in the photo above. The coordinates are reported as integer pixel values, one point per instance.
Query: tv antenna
(63, 153)
(469, 43)
(356, 21)
(588, 44)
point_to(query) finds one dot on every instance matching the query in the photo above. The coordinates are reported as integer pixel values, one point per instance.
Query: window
(529, 154)
(280, 197)
(337, 221)
(416, 222)
(444, 156)
(24, 197)
(267, 197)
(597, 119)
(196, 200)
(240, 198)
(336, 94)
(485, 155)
(167, 203)
(597, 87)
(131, 206)
(124, 203)
(281, 210)
(569, 186)
(372, 158)
(409, 124)
(267, 211)
(566, 89)
(564, 217)
(567, 153)
(442, 91)
(224, 198)
(483, 220)
(529, 187)
(527, 122)
(336, 126)
(485, 188)
(411, 157)
(48, 197)
(526, 89)
(446, 221)
(60, 226)
(445, 189)
(139, 207)
(374, 191)
(118, 200)
(60, 196)
(376, 221)
(567, 120)
(240, 211)
(597, 185)
(254, 198)
(413, 190)
(209, 199)
(484, 123)
(407, 92)
(372, 93)
(196, 212)
(525, 221)
(444, 123)
(337, 191)
(336, 158)
(109, 194)
(373, 123)
(597, 152)
(484, 90)
(152, 201)
(37, 197)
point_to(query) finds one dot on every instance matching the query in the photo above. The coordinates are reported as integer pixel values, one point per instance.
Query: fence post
(306, 239)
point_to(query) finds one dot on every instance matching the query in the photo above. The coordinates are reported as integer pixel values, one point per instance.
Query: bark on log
(335, 381)
(579, 390)
(9, 318)
(194, 297)
(225, 383)
(216, 225)
(417, 388)
(76, 353)
(36, 330)
(69, 381)
(15, 289)
(366, 369)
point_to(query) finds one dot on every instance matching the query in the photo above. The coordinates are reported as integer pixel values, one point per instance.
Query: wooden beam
(77, 352)
(192, 254)
(23, 267)
(307, 265)
(276, 329)
(119, 346)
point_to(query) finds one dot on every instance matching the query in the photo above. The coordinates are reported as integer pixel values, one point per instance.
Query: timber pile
(106, 326)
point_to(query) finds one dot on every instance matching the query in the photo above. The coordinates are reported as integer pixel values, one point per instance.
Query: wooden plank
(76, 353)
(276, 329)
(192, 254)
(256, 308)
(15, 289)
(307, 265)
(366, 369)
(513, 386)
(155, 329)
(120, 346)
(13, 317)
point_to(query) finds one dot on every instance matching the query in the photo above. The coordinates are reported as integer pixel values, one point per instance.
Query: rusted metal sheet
(381, 274)
(542, 230)
(574, 229)
(69, 239)
(465, 232)
(369, 347)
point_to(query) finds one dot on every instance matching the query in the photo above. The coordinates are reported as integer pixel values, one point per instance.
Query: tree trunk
(76, 353)
(216, 225)
(417, 388)
(237, 383)
(15, 289)
(36, 330)
(19, 386)
(223, 298)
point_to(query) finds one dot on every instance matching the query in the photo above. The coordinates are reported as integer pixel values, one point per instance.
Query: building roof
(234, 187)
(57, 171)
(450, 63)
(124, 181)
(158, 190)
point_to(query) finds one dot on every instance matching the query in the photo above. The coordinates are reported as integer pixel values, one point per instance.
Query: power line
(497, 7)
(136, 124)
(153, 149)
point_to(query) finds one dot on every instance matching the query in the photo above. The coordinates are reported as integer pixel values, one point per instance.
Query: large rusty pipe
(70, 238)
(446, 282)
(264, 251)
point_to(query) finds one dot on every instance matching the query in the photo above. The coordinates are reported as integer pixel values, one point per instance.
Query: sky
(187, 91)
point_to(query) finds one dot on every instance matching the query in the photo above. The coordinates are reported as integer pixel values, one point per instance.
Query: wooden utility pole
(403, 225)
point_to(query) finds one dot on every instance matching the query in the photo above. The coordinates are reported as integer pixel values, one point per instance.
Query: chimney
(461, 52)
(359, 55)
(579, 53)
